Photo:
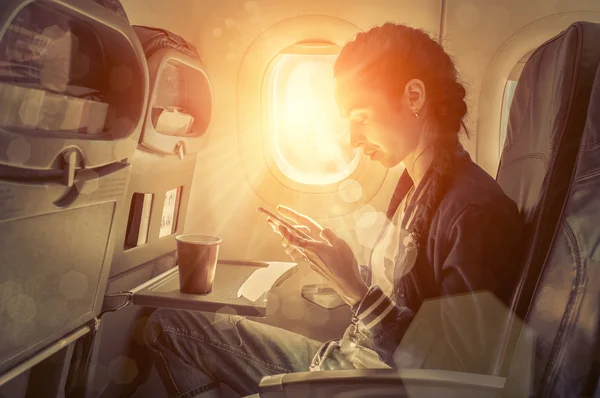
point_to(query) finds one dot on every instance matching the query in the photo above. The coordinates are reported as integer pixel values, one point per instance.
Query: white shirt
(387, 249)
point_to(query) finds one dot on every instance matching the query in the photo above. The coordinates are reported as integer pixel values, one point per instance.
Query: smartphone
(278, 220)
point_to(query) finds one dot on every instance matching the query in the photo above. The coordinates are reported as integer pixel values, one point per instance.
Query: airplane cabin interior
(127, 124)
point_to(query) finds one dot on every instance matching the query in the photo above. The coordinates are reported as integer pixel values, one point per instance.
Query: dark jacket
(472, 247)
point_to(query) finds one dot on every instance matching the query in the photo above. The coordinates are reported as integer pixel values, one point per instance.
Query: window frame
(513, 76)
(306, 47)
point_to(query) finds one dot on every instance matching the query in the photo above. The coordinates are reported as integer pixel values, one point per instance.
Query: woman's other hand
(328, 255)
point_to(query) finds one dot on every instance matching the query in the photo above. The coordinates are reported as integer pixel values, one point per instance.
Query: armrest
(381, 382)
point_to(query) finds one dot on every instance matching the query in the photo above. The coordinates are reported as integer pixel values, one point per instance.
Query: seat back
(158, 197)
(68, 120)
(564, 308)
(546, 124)
(160, 186)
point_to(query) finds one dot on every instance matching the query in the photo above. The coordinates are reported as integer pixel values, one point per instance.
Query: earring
(417, 115)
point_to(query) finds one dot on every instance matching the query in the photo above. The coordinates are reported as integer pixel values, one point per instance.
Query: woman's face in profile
(386, 131)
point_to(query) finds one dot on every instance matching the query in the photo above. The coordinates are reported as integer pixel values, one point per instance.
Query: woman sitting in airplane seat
(452, 234)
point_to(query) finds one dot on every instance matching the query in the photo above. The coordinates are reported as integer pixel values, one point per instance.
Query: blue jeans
(194, 351)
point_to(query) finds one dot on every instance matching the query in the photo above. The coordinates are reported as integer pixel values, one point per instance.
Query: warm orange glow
(311, 144)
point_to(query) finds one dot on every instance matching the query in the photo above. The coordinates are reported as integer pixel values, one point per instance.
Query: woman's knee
(164, 320)
(197, 325)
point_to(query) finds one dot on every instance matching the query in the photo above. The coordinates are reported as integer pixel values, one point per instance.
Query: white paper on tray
(263, 279)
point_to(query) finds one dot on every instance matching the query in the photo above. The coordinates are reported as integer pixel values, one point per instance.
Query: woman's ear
(414, 92)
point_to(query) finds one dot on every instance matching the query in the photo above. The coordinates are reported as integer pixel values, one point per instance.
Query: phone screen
(277, 219)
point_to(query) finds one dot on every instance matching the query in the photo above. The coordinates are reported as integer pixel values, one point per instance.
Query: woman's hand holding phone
(328, 254)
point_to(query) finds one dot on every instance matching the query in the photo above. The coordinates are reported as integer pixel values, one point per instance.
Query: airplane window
(509, 92)
(507, 97)
(310, 139)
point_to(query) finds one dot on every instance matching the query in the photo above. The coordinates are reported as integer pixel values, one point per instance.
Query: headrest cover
(114, 6)
(154, 39)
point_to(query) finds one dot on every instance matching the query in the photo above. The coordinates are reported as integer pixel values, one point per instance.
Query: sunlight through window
(310, 138)
(509, 92)
(507, 98)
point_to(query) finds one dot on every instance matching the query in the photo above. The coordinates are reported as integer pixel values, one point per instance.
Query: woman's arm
(386, 321)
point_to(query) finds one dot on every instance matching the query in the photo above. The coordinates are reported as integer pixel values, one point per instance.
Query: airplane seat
(546, 125)
(73, 89)
(539, 169)
(561, 289)
(181, 98)
(179, 109)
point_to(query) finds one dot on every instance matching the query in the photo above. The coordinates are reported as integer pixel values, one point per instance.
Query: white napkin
(263, 279)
